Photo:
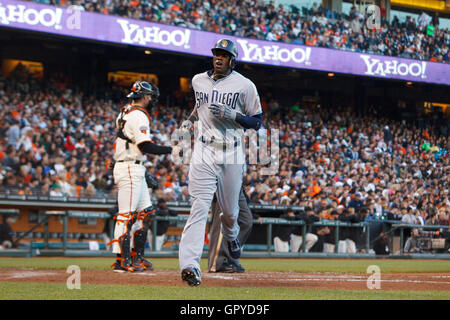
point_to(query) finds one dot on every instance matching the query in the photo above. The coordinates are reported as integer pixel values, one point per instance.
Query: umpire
(219, 258)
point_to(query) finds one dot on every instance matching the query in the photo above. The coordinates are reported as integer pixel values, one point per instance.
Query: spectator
(296, 237)
(356, 202)
(6, 233)
(393, 214)
(440, 218)
(282, 233)
(13, 133)
(323, 232)
(413, 244)
(421, 217)
(55, 191)
(381, 244)
(348, 235)
(409, 217)
(329, 238)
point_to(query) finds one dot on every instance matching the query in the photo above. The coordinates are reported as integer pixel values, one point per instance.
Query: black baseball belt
(219, 144)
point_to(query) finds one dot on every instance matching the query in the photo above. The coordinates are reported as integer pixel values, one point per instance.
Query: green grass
(39, 291)
(281, 265)
(51, 291)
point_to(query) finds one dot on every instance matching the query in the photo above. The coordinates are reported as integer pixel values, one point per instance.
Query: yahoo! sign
(376, 67)
(135, 34)
(252, 52)
(86, 25)
(47, 17)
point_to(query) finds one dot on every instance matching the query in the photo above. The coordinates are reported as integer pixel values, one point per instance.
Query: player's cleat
(237, 267)
(117, 267)
(147, 264)
(225, 268)
(234, 247)
(140, 262)
(191, 276)
(138, 266)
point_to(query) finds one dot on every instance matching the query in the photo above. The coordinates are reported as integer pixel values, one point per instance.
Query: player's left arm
(249, 122)
(252, 119)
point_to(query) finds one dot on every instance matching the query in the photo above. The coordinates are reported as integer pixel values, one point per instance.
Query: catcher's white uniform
(129, 171)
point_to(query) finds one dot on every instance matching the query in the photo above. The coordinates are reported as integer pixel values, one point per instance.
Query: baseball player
(226, 104)
(219, 258)
(135, 210)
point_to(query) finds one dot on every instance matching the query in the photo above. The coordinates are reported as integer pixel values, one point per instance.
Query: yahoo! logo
(273, 53)
(376, 67)
(47, 17)
(135, 34)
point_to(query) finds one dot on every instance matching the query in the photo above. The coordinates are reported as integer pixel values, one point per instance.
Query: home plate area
(353, 281)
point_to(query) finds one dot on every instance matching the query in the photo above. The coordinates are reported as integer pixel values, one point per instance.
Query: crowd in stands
(340, 166)
(315, 26)
(58, 141)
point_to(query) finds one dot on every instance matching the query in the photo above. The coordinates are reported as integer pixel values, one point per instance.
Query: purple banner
(73, 22)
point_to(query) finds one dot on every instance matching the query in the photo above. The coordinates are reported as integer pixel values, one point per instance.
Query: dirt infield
(348, 281)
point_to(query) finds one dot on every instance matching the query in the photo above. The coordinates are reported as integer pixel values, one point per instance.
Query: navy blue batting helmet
(228, 46)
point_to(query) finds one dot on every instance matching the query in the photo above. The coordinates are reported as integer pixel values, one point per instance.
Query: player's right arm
(187, 124)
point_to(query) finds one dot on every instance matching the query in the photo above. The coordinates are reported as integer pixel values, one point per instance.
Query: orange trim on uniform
(125, 215)
(142, 214)
(132, 108)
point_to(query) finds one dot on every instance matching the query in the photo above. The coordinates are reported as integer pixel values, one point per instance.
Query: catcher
(136, 211)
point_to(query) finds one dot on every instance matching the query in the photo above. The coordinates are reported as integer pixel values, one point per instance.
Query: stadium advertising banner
(74, 22)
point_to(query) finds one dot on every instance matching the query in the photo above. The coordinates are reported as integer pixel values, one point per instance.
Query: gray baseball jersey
(235, 91)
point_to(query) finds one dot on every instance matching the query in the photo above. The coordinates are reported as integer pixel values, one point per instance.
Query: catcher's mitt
(152, 182)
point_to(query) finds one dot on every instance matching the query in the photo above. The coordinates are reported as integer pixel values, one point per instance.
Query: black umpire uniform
(219, 259)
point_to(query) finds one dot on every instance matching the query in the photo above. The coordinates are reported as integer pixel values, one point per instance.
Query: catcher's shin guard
(140, 238)
(125, 248)
(123, 241)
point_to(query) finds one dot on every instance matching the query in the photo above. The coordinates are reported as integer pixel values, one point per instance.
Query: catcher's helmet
(142, 88)
(228, 46)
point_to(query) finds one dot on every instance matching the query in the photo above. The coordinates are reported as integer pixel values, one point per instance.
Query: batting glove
(186, 125)
(223, 111)
(176, 157)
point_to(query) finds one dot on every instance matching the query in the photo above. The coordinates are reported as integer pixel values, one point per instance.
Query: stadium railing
(97, 208)
(270, 222)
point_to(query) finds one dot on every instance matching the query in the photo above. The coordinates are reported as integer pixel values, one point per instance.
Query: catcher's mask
(228, 46)
(142, 88)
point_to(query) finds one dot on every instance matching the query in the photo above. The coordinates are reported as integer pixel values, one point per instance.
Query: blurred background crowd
(58, 141)
(420, 38)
